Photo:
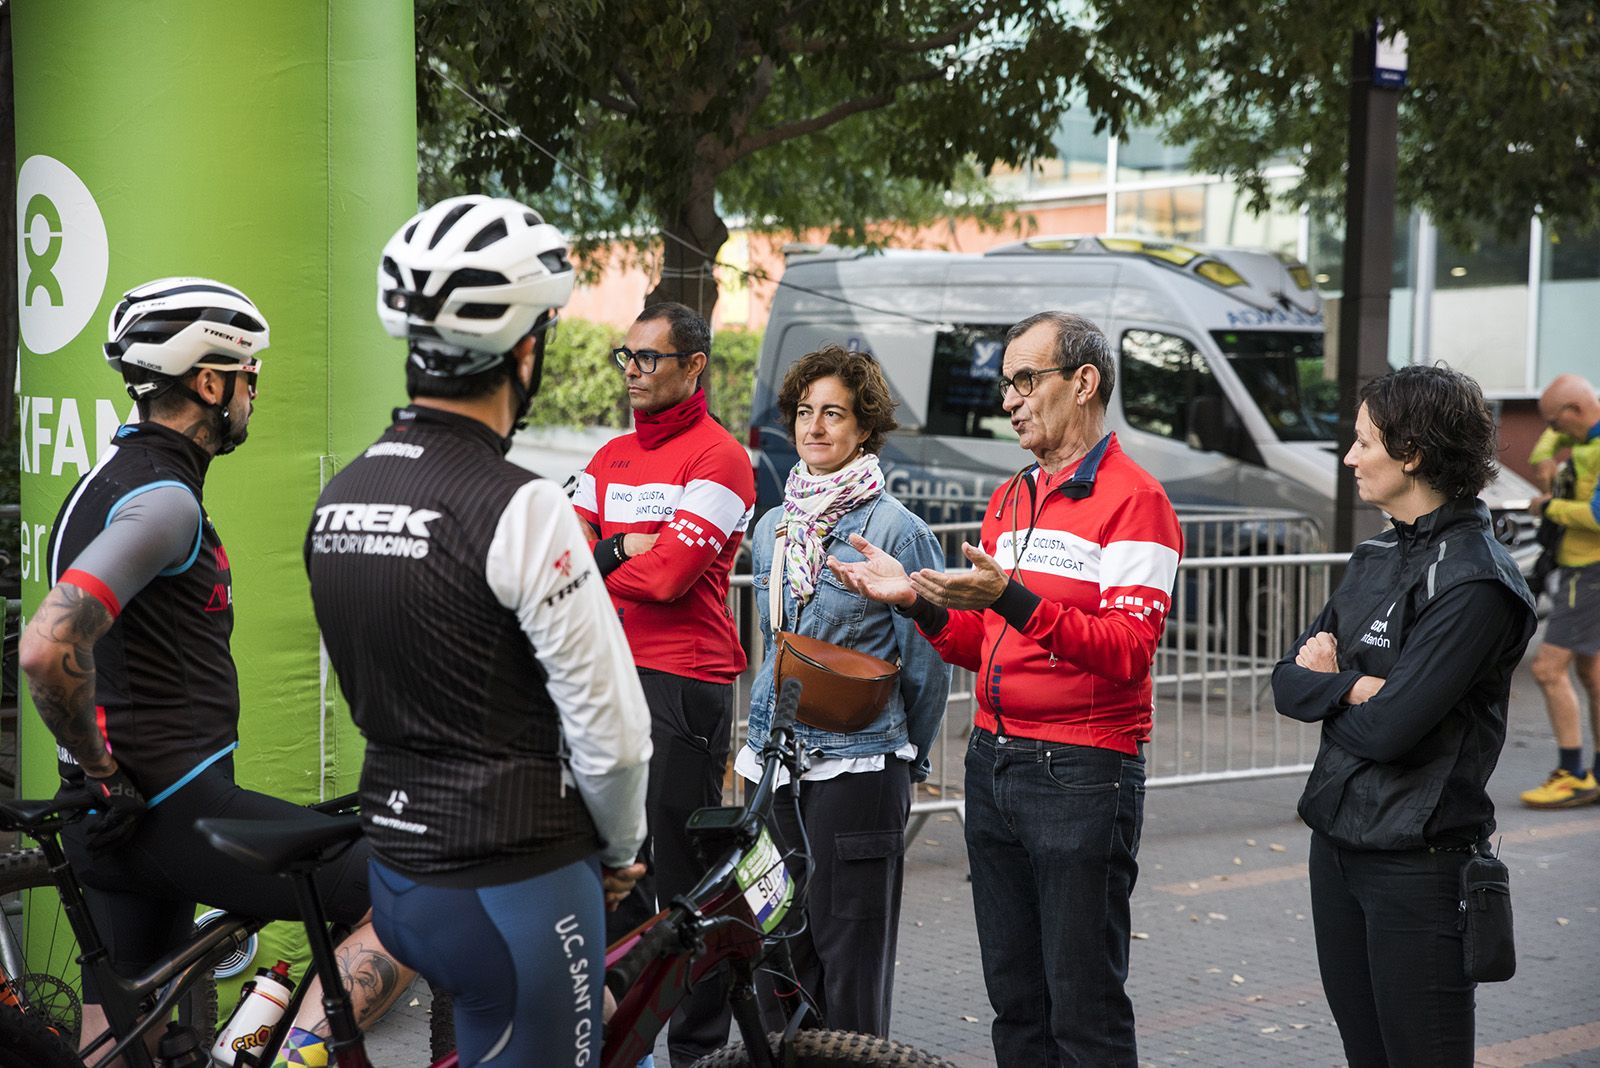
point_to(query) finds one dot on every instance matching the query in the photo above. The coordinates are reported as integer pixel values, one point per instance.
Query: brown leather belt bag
(842, 690)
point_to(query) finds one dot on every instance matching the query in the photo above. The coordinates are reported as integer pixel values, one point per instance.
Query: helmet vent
(391, 268)
(532, 218)
(447, 222)
(481, 311)
(412, 229)
(421, 279)
(555, 261)
(487, 236)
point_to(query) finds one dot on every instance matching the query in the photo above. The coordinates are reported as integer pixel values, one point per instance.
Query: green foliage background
(582, 386)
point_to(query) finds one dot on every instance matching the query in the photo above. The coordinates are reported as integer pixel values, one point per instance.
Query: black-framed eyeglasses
(250, 366)
(1025, 381)
(645, 360)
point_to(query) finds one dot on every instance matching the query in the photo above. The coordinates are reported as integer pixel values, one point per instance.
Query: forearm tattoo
(72, 621)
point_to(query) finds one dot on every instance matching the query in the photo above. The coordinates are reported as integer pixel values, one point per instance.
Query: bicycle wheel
(27, 1043)
(831, 1049)
(51, 988)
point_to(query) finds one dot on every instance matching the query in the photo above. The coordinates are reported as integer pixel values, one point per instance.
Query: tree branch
(801, 127)
(615, 103)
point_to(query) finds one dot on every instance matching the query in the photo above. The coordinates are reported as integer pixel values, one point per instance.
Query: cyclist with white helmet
(128, 656)
(508, 741)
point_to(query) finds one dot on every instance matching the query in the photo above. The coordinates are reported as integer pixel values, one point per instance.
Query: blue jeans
(1052, 836)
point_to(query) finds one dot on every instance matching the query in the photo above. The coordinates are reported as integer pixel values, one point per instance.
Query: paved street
(1224, 968)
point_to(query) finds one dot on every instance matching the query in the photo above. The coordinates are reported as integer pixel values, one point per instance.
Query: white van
(1222, 390)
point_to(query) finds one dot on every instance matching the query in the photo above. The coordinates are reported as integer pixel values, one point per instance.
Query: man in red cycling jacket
(667, 506)
(1059, 619)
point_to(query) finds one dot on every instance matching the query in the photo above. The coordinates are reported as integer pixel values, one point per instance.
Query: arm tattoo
(71, 621)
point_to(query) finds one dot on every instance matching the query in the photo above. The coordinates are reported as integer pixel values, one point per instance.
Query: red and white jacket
(697, 491)
(1064, 655)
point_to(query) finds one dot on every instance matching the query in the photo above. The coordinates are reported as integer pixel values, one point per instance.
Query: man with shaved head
(1572, 636)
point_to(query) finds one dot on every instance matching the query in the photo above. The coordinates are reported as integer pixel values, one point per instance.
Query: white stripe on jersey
(653, 502)
(583, 494)
(1138, 563)
(1051, 552)
(712, 500)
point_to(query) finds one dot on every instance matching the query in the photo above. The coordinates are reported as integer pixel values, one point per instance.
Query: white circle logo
(61, 254)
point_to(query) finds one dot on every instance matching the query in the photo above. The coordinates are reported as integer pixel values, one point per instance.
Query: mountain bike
(730, 919)
(40, 1020)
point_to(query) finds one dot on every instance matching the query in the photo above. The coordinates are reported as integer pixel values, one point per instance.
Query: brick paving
(1224, 971)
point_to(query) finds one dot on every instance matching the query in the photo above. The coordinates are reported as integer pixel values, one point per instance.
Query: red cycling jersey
(696, 491)
(1065, 654)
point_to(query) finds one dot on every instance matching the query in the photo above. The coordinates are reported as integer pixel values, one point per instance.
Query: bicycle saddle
(281, 845)
(31, 816)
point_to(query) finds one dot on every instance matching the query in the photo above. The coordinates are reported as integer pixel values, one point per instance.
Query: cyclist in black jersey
(508, 742)
(128, 656)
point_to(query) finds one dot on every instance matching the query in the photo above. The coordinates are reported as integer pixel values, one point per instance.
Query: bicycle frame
(657, 963)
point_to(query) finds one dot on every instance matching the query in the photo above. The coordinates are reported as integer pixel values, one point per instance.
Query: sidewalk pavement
(1224, 967)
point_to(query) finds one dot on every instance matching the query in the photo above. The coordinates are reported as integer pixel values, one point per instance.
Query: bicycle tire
(59, 998)
(831, 1049)
(26, 1042)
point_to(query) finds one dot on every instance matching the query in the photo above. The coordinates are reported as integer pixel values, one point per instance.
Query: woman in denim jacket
(857, 792)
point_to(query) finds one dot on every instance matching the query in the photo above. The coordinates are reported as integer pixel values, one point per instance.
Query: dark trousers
(690, 724)
(856, 826)
(1391, 956)
(1052, 837)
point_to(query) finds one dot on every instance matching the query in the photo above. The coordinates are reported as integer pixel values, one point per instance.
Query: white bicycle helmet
(169, 325)
(468, 278)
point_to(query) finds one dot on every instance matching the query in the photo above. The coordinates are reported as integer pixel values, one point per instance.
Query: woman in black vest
(1408, 669)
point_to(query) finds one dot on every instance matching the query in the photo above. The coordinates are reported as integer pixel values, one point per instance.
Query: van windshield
(1285, 374)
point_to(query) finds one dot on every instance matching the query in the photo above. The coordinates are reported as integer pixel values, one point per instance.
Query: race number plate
(765, 882)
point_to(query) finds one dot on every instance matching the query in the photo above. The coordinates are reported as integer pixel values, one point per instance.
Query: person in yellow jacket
(1571, 412)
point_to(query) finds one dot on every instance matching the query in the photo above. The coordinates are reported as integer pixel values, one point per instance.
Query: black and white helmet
(468, 278)
(170, 325)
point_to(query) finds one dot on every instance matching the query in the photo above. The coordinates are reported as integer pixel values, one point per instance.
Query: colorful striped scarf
(812, 504)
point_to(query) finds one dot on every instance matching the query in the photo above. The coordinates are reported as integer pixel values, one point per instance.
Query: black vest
(463, 780)
(165, 685)
(1438, 796)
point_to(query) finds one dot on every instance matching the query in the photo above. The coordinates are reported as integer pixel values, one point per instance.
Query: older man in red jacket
(1059, 618)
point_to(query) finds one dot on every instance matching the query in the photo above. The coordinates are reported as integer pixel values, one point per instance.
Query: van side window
(962, 398)
(1168, 389)
(1161, 373)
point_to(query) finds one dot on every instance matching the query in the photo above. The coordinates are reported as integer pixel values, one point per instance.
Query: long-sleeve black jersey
(506, 730)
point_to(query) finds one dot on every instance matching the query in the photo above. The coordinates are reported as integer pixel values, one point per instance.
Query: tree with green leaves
(670, 115)
(1500, 116)
(632, 118)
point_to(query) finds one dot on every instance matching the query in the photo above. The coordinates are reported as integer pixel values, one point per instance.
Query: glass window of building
(1145, 154)
(1177, 213)
(1480, 310)
(1569, 305)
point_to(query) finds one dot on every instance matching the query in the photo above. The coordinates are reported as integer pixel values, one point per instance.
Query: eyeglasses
(645, 360)
(1024, 382)
(250, 366)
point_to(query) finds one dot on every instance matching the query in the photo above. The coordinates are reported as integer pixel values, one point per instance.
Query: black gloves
(120, 805)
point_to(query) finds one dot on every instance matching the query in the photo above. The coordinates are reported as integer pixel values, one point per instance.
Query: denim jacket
(835, 614)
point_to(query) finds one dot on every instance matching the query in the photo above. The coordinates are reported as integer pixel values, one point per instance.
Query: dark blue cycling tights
(525, 961)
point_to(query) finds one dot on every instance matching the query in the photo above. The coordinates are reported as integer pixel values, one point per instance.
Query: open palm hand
(879, 577)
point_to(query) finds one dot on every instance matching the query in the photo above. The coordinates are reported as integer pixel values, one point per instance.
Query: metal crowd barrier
(1232, 618)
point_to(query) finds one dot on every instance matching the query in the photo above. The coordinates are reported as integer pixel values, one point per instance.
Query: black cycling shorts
(142, 895)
